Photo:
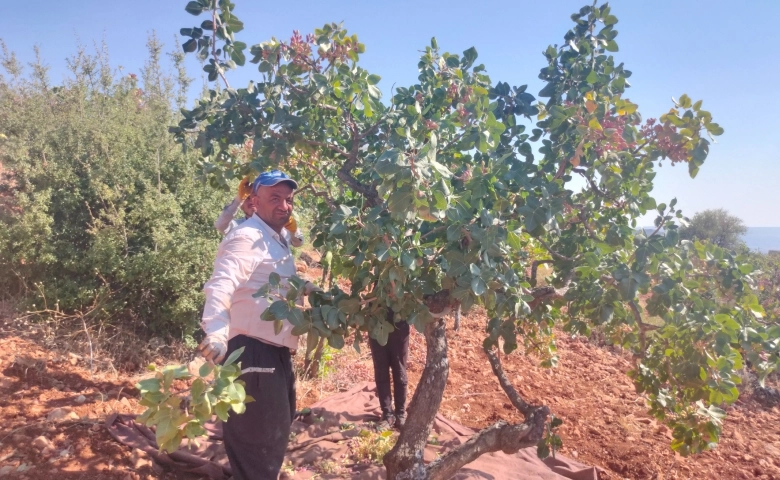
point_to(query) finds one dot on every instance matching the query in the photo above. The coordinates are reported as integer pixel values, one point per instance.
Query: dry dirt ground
(605, 422)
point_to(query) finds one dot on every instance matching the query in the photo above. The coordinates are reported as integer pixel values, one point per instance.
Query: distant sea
(762, 239)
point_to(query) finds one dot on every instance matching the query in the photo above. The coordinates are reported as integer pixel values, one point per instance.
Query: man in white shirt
(225, 221)
(256, 440)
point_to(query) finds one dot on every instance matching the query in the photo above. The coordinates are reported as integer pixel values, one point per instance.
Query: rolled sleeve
(233, 266)
(222, 223)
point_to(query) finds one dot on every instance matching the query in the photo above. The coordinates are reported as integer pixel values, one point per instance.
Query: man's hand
(292, 225)
(309, 288)
(213, 348)
(245, 187)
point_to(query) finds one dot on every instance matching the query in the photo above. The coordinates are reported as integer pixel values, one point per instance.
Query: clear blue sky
(722, 52)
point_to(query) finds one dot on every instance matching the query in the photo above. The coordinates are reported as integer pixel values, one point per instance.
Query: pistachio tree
(435, 199)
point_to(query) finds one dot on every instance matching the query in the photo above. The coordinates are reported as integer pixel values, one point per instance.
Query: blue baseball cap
(271, 178)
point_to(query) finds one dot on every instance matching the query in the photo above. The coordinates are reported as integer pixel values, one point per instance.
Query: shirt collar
(267, 230)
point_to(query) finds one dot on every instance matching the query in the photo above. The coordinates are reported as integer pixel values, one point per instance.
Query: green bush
(103, 213)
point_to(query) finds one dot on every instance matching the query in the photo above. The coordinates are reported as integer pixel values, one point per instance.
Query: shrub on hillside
(103, 212)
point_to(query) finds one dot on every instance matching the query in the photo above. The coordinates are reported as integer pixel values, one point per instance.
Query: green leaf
(222, 410)
(594, 124)
(149, 385)
(238, 57)
(714, 129)
(610, 20)
(278, 325)
(469, 57)
(373, 79)
(277, 311)
(592, 77)
(190, 45)
(514, 241)
(336, 341)
(234, 24)
(295, 317)
(231, 359)
(205, 369)
(274, 279)
(478, 286)
(194, 8)
(611, 46)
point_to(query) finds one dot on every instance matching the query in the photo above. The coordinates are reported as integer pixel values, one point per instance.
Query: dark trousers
(256, 440)
(392, 356)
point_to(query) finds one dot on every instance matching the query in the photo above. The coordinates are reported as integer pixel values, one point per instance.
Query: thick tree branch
(553, 253)
(548, 293)
(373, 128)
(329, 146)
(323, 194)
(501, 436)
(592, 183)
(435, 230)
(638, 318)
(506, 385)
(405, 459)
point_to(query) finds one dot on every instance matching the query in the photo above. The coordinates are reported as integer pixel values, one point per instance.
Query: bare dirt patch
(605, 421)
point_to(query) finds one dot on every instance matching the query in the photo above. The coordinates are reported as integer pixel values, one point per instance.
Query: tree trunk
(457, 319)
(405, 460)
(311, 366)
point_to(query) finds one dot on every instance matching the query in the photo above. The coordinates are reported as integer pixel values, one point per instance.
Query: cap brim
(292, 183)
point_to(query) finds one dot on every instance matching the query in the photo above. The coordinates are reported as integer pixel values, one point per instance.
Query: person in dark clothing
(256, 441)
(392, 357)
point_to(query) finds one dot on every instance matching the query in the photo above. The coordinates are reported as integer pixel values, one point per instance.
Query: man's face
(248, 206)
(274, 205)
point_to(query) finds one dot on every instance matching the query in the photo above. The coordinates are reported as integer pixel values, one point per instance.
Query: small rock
(73, 358)
(6, 470)
(574, 454)
(772, 450)
(42, 442)
(194, 366)
(738, 437)
(646, 421)
(139, 459)
(80, 399)
(61, 414)
(747, 458)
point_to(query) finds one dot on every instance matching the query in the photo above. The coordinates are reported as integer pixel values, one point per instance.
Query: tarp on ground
(320, 436)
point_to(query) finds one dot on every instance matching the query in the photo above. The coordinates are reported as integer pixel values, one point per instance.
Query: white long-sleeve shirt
(225, 223)
(246, 257)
